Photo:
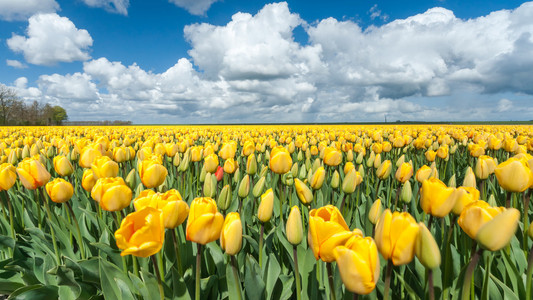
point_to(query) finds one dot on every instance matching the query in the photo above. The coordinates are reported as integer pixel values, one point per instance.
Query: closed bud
(176, 161)
(377, 161)
(25, 152)
(351, 181)
(12, 158)
(184, 164)
(251, 165)
(375, 212)
(302, 174)
(307, 164)
(237, 176)
(335, 178)
(74, 154)
(300, 156)
(231, 234)
(384, 170)
(451, 182)
(361, 171)
(62, 166)
(50, 152)
(304, 193)
(400, 161)
(360, 158)
(203, 174)
(263, 172)
(318, 178)
(139, 189)
(224, 198)
(266, 207)
(470, 178)
(287, 179)
(294, 170)
(244, 187)
(294, 228)
(407, 192)
(349, 155)
(426, 248)
(492, 201)
(131, 180)
(499, 231)
(370, 159)
(209, 189)
(259, 187)
(316, 164)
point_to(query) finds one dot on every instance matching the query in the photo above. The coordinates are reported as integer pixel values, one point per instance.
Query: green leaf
(271, 274)
(253, 279)
(151, 285)
(35, 292)
(115, 284)
(234, 286)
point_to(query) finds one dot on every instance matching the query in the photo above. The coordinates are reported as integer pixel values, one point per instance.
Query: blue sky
(207, 61)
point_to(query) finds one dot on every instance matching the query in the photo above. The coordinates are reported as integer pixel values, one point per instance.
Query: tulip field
(267, 212)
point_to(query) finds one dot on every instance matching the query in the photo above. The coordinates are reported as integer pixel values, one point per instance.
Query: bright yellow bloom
(103, 167)
(462, 197)
(112, 193)
(423, 173)
(88, 181)
(211, 163)
(8, 176)
(152, 173)
(384, 170)
(475, 215)
(227, 151)
(395, 236)
(332, 157)
(266, 207)
(404, 172)
(318, 178)
(230, 166)
(62, 166)
(514, 175)
(426, 248)
(141, 233)
(205, 222)
(280, 160)
(32, 173)
(293, 227)
(498, 232)
(435, 198)
(174, 209)
(375, 212)
(59, 190)
(430, 155)
(303, 191)
(231, 234)
(87, 157)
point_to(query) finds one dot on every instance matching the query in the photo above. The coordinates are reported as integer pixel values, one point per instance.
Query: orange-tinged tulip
(435, 198)
(293, 227)
(327, 229)
(463, 196)
(404, 172)
(87, 157)
(141, 233)
(8, 176)
(62, 166)
(174, 209)
(266, 207)
(332, 157)
(211, 163)
(358, 264)
(395, 236)
(514, 175)
(59, 190)
(112, 193)
(280, 160)
(231, 234)
(103, 167)
(88, 181)
(205, 222)
(475, 215)
(32, 173)
(152, 173)
(423, 173)
(442, 152)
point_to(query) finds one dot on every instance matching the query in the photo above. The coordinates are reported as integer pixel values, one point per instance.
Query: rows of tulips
(270, 212)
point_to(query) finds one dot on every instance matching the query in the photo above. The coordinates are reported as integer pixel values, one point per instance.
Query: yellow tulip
(485, 166)
(430, 155)
(174, 209)
(462, 197)
(251, 165)
(375, 212)
(120, 154)
(280, 160)
(347, 167)
(475, 215)
(442, 152)
(205, 222)
(358, 264)
(514, 175)
(498, 232)
(8, 176)
(384, 170)
(88, 181)
(227, 151)
(423, 173)
(141, 233)
(332, 157)
(404, 172)
(426, 248)
(231, 234)
(327, 229)
(211, 163)
(152, 173)
(87, 157)
(59, 190)
(293, 227)
(318, 178)
(62, 166)
(395, 236)
(266, 207)
(248, 148)
(303, 192)
(112, 193)
(104, 167)
(230, 166)
(435, 198)
(470, 178)
(351, 181)
(32, 173)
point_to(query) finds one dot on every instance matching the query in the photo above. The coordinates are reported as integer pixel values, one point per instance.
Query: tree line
(14, 111)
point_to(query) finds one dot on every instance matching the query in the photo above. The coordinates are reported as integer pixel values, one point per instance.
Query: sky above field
(242, 61)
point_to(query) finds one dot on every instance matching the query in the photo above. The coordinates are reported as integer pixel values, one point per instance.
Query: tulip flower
(423, 173)
(335, 178)
(375, 212)
(347, 167)
(294, 227)
(280, 160)
(475, 215)
(8, 176)
(303, 191)
(514, 175)
(104, 167)
(395, 236)
(327, 229)
(430, 155)
(174, 209)
(442, 152)
(120, 154)
(251, 165)
(266, 207)
(59, 190)
(358, 264)
(205, 222)
(87, 157)
(152, 173)
(230, 166)
(318, 178)
(435, 198)
(141, 233)
(62, 166)
(224, 198)
(211, 163)
(426, 248)
(404, 172)
(332, 157)
(111, 193)
(462, 197)
(384, 170)
(219, 174)
(470, 178)
(88, 181)
(498, 232)
(227, 151)
(351, 181)
(485, 166)
(32, 173)
(231, 234)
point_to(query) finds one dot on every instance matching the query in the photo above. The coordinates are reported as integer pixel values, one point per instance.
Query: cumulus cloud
(114, 6)
(51, 39)
(19, 10)
(431, 66)
(195, 7)
(15, 64)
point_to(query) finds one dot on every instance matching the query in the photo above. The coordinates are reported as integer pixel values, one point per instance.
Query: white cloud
(51, 39)
(19, 10)
(15, 64)
(505, 105)
(195, 7)
(114, 6)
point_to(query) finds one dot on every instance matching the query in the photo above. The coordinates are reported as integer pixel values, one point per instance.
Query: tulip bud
(335, 178)
(258, 187)
(237, 176)
(350, 182)
(303, 173)
(266, 207)
(263, 172)
(360, 158)
(300, 156)
(470, 178)
(384, 170)
(176, 161)
(375, 212)
(498, 232)
(251, 165)
(318, 178)
(307, 164)
(361, 171)
(530, 231)
(209, 189)
(407, 193)
(231, 234)
(316, 164)
(287, 179)
(25, 152)
(370, 159)
(304, 193)
(12, 158)
(377, 161)
(400, 161)
(349, 155)
(294, 228)
(224, 198)
(203, 174)
(426, 248)
(492, 201)
(184, 164)
(130, 179)
(451, 182)
(294, 170)
(244, 187)
(139, 189)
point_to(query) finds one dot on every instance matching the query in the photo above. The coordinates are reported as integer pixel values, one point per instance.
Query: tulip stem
(525, 220)
(178, 254)
(355, 296)
(508, 200)
(10, 208)
(330, 280)
(159, 284)
(161, 266)
(388, 274)
(52, 232)
(529, 274)
(261, 245)
(431, 286)
(235, 269)
(135, 265)
(297, 274)
(469, 274)
(80, 240)
(198, 270)
(36, 193)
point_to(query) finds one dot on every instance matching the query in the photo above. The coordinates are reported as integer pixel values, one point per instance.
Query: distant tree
(7, 98)
(59, 114)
